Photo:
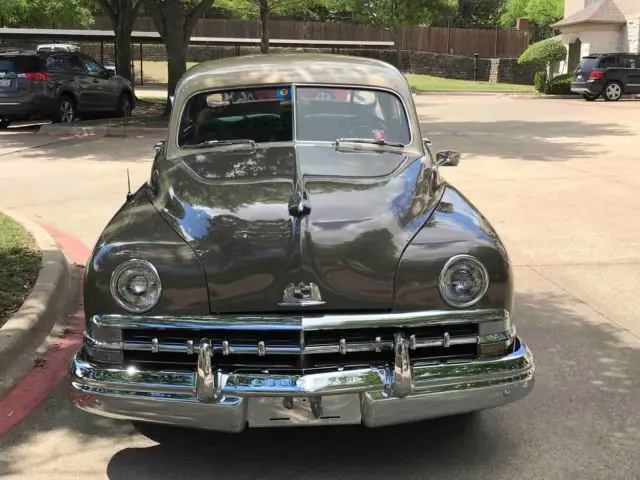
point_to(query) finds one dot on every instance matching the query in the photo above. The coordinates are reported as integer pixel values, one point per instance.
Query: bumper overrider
(218, 395)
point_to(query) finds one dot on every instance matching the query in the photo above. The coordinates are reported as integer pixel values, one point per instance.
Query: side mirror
(447, 158)
(158, 146)
(427, 143)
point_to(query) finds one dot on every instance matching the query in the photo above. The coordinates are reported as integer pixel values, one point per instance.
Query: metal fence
(488, 43)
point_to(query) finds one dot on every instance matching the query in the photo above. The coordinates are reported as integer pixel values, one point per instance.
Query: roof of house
(603, 11)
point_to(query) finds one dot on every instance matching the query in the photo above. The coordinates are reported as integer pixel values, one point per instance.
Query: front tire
(65, 110)
(590, 97)
(125, 105)
(612, 91)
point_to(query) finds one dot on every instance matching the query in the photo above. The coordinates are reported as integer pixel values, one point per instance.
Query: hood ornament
(301, 295)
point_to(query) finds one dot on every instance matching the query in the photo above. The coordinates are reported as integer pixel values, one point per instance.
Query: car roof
(16, 51)
(298, 68)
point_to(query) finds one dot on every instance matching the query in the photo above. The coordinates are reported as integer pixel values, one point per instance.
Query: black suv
(59, 86)
(610, 75)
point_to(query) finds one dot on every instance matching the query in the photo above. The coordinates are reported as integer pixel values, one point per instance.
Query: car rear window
(263, 115)
(588, 63)
(20, 64)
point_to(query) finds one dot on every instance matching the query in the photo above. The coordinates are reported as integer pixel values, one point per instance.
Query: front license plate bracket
(301, 411)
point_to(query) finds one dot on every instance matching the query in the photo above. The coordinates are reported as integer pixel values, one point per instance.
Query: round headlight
(136, 286)
(463, 281)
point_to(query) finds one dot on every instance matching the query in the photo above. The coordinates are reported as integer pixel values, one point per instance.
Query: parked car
(297, 261)
(611, 75)
(57, 47)
(59, 86)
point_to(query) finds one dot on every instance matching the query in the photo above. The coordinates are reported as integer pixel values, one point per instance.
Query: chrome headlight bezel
(117, 273)
(450, 264)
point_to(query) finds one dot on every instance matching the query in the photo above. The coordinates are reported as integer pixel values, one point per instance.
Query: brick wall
(441, 65)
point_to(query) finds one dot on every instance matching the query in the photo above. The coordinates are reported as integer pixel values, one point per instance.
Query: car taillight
(596, 74)
(36, 76)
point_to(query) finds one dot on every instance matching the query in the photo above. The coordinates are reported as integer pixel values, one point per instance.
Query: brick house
(597, 26)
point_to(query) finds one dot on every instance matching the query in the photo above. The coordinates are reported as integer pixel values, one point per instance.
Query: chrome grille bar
(261, 348)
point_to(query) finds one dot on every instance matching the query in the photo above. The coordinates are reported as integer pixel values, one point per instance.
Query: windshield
(328, 114)
(265, 115)
(261, 115)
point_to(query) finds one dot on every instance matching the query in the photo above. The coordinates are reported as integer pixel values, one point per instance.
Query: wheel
(590, 97)
(65, 110)
(124, 106)
(4, 123)
(612, 91)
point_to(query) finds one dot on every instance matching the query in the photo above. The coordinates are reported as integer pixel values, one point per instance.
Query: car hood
(262, 219)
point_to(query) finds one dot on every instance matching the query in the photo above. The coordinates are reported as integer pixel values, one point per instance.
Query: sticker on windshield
(378, 135)
(283, 93)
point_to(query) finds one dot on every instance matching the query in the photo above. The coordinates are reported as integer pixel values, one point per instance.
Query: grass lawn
(426, 83)
(156, 73)
(19, 266)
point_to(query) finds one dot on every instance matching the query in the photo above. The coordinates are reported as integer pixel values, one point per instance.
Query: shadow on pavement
(527, 140)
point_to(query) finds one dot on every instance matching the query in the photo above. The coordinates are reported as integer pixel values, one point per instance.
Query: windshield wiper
(368, 141)
(224, 143)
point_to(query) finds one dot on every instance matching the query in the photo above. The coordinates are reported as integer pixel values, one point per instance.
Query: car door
(68, 76)
(101, 83)
(631, 68)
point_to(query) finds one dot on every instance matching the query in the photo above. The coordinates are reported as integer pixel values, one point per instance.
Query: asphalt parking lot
(558, 179)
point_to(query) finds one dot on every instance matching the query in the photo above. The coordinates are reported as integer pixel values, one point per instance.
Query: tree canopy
(46, 13)
(541, 14)
(543, 52)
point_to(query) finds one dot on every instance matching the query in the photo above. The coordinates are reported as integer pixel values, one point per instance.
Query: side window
(630, 61)
(67, 63)
(91, 65)
(608, 62)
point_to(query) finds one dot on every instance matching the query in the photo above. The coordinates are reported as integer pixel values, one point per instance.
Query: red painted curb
(36, 386)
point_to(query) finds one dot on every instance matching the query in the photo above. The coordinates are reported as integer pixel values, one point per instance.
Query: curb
(45, 304)
(471, 93)
(100, 130)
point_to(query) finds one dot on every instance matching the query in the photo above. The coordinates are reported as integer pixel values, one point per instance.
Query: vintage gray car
(296, 258)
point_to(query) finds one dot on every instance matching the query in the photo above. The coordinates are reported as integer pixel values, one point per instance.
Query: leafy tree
(263, 9)
(541, 14)
(480, 13)
(175, 20)
(46, 13)
(122, 14)
(395, 15)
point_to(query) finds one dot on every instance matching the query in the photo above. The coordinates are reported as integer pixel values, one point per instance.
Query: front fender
(456, 227)
(137, 230)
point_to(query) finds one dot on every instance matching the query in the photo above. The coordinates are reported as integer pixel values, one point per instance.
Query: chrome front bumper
(374, 397)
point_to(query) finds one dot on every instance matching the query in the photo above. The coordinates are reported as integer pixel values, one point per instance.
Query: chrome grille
(297, 344)
(297, 351)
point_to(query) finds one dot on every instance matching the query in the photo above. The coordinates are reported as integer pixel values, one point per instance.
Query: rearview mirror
(447, 158)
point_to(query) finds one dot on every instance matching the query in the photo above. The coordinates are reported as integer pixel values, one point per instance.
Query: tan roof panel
(604, 11)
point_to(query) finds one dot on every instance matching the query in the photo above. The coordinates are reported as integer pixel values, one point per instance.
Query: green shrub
(560, 85)
(544, 52)
(540, 81)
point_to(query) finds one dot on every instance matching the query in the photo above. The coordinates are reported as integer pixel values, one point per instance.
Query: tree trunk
(176, 65)
(175, 21)
(122, 14)
(123, 51)
(398, 42)
(264, 26)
